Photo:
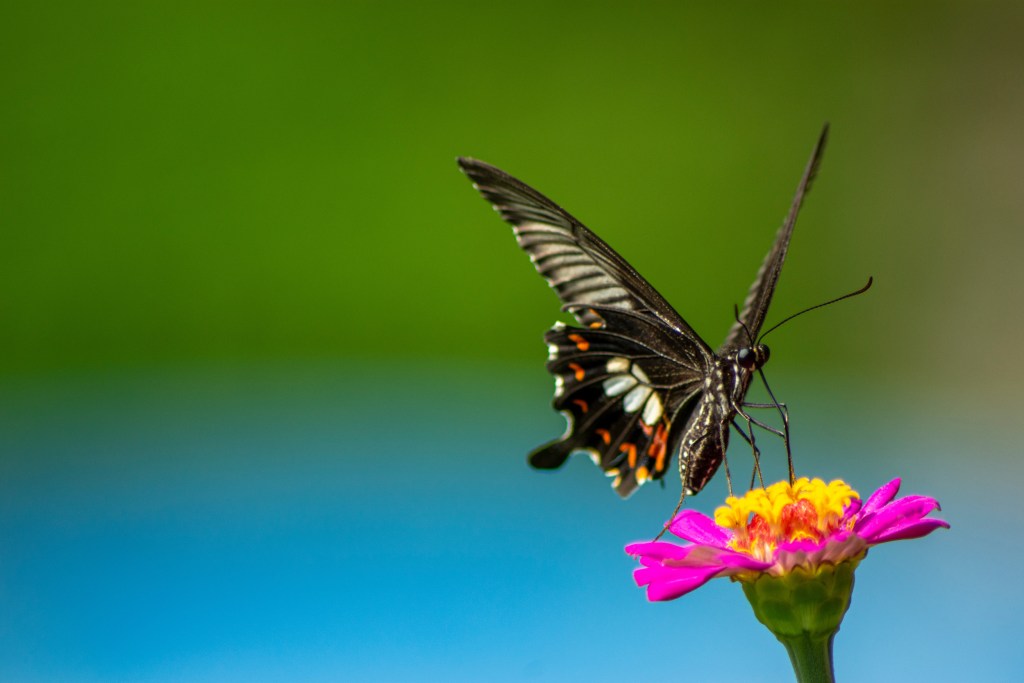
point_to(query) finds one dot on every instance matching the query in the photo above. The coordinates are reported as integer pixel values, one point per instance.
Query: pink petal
(852, 508)
(702, 556)
(647, 575)
(659, 550)
(674, 588)
(662, 574)
(881, 497)
(910, 529)
(842, 547)
(839, 547)
(911, 507)
(804, 545)
(732, 560)
(909, 501)
(697, 527)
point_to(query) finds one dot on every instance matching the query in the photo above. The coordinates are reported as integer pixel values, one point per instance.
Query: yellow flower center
(763, 518)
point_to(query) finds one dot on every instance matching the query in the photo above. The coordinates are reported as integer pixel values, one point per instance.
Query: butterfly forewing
(755, 307)
(635, 383)
(577, 264)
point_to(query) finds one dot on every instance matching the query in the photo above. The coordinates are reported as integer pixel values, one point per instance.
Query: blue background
(269, 368)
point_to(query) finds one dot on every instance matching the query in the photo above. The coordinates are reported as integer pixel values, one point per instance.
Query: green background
(269, 365)
(264, 180)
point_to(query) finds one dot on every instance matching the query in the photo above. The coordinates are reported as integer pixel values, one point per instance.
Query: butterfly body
(636, 383)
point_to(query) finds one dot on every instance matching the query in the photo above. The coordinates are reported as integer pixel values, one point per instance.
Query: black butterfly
(635, 383)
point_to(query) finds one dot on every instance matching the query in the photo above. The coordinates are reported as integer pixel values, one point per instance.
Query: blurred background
(269, 367)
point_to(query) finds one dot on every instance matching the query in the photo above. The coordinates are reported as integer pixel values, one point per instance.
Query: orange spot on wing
(581, 343)
(577, 370)
(646, 428)
(659, 463)
(605, 435)
(659, 439)
(658, 449)
(631, 449)
(596, 325)
(642, 474)
(581, 403)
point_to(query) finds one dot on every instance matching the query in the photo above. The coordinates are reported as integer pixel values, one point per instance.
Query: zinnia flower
(775, 530)
(794, 548)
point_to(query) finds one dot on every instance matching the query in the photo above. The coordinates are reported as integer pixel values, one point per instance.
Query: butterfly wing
(622, 388)
(634, 371)
(755, 308)
(582, 269)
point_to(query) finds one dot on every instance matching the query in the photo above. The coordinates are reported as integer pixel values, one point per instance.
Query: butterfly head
(753, 357)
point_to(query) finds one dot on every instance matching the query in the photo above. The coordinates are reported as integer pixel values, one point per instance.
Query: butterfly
(635, 382)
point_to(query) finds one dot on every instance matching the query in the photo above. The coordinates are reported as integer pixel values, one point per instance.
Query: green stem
(811, 657)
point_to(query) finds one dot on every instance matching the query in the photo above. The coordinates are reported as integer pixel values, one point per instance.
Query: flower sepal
(803, 609)
(804, 601)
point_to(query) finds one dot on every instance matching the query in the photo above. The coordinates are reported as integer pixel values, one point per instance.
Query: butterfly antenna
(736, 314)
(827, 303)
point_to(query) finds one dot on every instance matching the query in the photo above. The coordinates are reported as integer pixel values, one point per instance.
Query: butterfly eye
(753, 358)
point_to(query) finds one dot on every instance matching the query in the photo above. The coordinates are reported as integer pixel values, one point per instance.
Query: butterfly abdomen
(707, 431)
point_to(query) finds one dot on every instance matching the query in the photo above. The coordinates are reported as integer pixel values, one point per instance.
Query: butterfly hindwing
(613, 415)
(620, 392)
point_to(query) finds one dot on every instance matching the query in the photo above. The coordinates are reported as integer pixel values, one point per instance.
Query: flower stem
(811, 657)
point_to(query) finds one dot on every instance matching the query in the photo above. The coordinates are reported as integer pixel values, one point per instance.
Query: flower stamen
(807, 510)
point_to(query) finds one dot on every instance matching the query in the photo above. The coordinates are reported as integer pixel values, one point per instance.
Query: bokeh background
(269, 367)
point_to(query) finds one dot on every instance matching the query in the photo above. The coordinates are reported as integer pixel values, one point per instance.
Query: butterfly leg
(682, 477)
(749, 438)
(679, 505)
(783, 433)
(773, 406)
(784, 413)
(682, 494)
(768, 428)
(722, 438)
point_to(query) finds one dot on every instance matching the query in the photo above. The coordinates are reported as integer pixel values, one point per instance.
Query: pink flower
(808, 525)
